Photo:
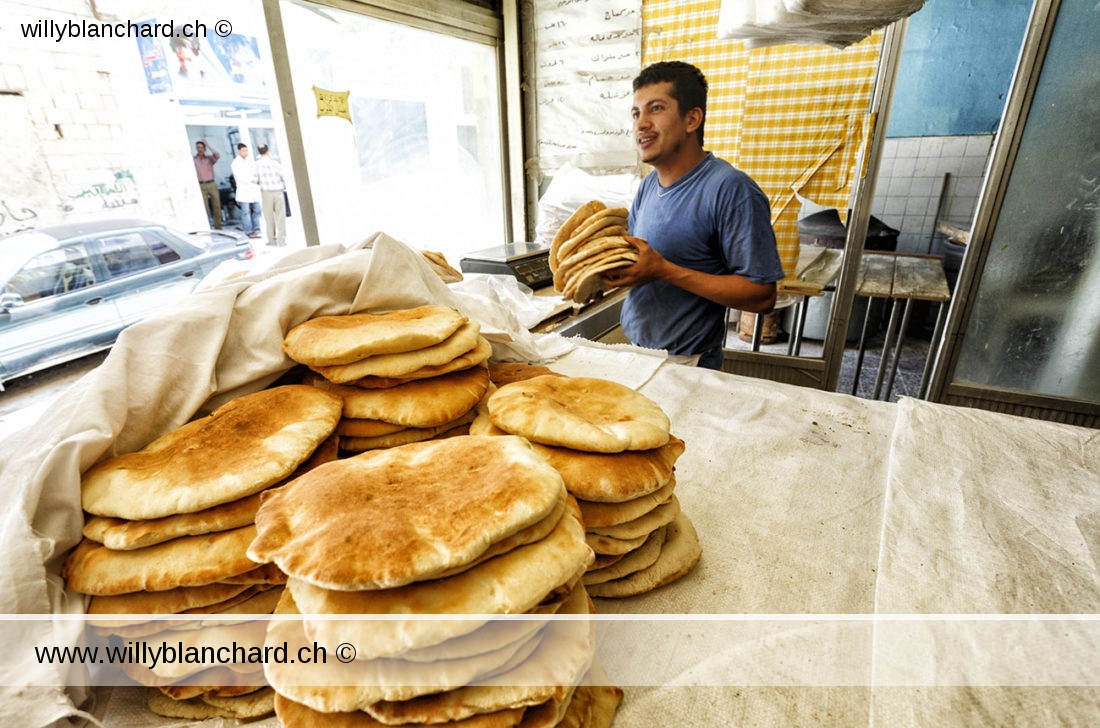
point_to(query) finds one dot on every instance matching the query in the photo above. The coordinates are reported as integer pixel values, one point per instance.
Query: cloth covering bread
(244, 446)
(333, 340)
(385, 518)
(581, 413)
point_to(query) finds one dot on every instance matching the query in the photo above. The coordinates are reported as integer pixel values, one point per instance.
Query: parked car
(67, 291)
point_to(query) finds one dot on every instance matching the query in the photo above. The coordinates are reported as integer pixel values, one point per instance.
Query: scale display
(529, 263)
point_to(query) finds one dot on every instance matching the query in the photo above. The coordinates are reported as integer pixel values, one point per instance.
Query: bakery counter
(594, 321)
(864, 563)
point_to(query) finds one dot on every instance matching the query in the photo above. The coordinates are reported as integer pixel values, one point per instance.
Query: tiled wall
(910, 180)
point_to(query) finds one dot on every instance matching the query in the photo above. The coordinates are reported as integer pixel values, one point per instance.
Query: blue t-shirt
(714, 219)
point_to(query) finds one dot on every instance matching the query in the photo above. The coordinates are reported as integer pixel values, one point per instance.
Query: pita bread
(633, 561)
(385, 518)
(419, 403)
(446, 272)
(125, 535)
(262, 574)
(561, 654)
(220, 680)
(171, 601)
(337, 686)
(397, 365)
(596, 514)
(679, 555)
(479, 354)
(644, 524)
(92, 568)
(255, 599)
(357, 427)
(571, 224)
(296, 715)
(512, 583)
(582, 413)
(505, 372)
(614, 477)
(592, 706)
(584, 282)
(608, 217)
(612, 546)
(403, 437)
(580, 247)
(343, 339)
(244, 446)
(252, 705)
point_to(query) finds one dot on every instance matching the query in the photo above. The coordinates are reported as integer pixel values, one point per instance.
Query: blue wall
(956, 67)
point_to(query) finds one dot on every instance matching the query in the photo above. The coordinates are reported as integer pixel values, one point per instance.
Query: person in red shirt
(204, 168)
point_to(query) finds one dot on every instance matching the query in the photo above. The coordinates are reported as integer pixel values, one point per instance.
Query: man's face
(659, 129)
(200, 149)
(243, 151)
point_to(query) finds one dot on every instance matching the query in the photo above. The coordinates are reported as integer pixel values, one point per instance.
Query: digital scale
(529, 263)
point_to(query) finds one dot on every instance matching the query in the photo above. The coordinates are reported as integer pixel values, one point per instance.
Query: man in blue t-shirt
(702, 228)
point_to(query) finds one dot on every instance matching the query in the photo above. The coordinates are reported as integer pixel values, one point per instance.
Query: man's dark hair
(241, 146)
(689, 86)
(262, 149)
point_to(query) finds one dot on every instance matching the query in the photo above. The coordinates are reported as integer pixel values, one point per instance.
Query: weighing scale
(529, 263)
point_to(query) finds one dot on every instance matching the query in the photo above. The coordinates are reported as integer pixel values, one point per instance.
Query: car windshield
(52, 273)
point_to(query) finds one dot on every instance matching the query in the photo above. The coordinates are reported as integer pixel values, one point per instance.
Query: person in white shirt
(248, 192)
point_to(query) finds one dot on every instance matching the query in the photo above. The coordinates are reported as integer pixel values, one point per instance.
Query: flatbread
(462, 341)
(479, 354)
(262, 574)
(585, 282)
(358, 427)
(612, 546)
(252, 705)
(403, 437)
(644, 524)
(171, 601)
(92, 568)
(505, 372)
(570, 226)
(512, 583)
(420, 403)
(296, 715)
(608, 217)
(386, 518)
(614, 477)
(561, 656)
(582, 413)
(633, 561)
(343, 339)
(244, 446)
(679, 555)
(596, 514)
(125, 535)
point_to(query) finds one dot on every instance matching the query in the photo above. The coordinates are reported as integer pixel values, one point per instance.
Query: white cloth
(837, 23)
(244, 170)
(824, 519)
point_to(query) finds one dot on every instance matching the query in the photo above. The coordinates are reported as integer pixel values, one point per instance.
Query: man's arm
(732, 291)
(213, 152)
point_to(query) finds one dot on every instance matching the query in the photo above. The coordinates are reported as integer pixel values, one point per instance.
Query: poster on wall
(586, 55)
(202, 65)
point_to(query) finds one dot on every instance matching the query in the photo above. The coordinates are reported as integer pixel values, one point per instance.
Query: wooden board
(876, 275)
(817, 267)
(921, 278)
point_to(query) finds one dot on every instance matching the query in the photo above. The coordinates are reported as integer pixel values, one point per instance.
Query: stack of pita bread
(168, 531)
(460, 528)
(586, 246)
(405, 376)
(613, 449)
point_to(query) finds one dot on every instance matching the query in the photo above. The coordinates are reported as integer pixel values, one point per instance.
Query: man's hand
(646, 269)
(732, 291)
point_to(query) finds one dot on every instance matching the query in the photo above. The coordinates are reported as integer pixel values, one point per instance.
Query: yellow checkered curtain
(796, 118)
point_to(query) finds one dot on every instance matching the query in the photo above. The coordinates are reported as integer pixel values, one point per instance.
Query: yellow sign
(332, 103)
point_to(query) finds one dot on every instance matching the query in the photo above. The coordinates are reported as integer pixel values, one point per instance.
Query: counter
(864, 563)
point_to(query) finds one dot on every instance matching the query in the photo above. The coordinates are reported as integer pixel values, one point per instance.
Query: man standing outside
(706, 242)
(247, 193)
(204, 168)
(269, 176)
